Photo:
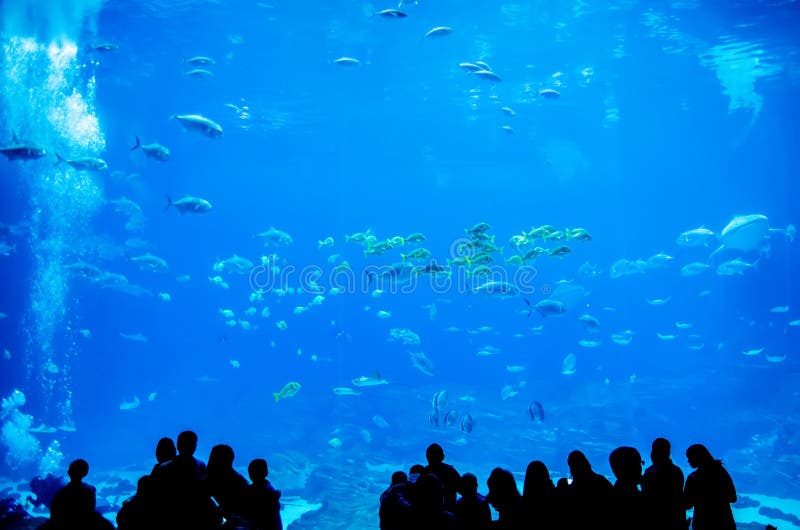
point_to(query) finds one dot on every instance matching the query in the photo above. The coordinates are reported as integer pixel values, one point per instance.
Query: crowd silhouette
(182, 492)
(656, 499)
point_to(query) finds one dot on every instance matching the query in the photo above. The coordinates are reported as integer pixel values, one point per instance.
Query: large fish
(748, 233)
(549, 307)
(154, 150)
(22, 152)
(189, 204)
(196, 122)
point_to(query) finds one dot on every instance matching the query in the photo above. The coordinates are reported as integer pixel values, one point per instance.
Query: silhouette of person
(662, 487)
(709, 490)
(397, 507)
(141, 511)
(74, 505)
(506, 499)
(627, 503)
(472, 509)
(587, 503)
(261, 505)
(224, 483)
(446, 473)
(415, 471)
(183, 500)
(539, 495)
(429, 503)
(165, 451)
(147, 507)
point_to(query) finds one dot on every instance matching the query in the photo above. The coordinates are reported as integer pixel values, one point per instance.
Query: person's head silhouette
(165, 450)
(434, 454)
(699, 456)
(258, 471)
(187, 443)
(626, 463)
(660, 451)
(579, 465)
(221, 457)
(399, 477)
(78, 470)
(468, 486)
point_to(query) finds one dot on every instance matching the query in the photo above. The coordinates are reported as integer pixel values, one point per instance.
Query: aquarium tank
(329, 234)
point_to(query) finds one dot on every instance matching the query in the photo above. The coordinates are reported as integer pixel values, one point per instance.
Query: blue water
(671, 117)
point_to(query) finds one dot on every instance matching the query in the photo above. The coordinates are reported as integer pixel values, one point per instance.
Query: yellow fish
(289, 389)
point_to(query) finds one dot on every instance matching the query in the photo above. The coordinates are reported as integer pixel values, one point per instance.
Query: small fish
(622, 338)
(693, 269)
(105, 47)
(508, 129)
(275, 237)
(698, 237)
(794, 323)
(589, 343)
(345, 391)
(515, 368)
(549, 93)
(198, 73)
(130, 405)
(469, 67)
(487, 75)
(508, 111)
(439, 400)
(780, 309)
(439, 31)
(467, 423)
(659, 301)
(370, 380)
(568, 364)
(391, 13)
(290, 389)
(536, 411)
(666, 337)
(508, 392)
(218, 281)
(135, 337)
(590, 323)
(734, 267)
(683, 325)
(346, 61)
(753, 352)
(84, 164)
(200, 61)
(380, 422)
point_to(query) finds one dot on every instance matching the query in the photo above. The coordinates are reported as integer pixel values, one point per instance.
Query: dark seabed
(560, 225)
